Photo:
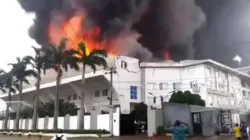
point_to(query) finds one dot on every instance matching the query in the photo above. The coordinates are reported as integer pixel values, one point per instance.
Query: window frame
(133, 92)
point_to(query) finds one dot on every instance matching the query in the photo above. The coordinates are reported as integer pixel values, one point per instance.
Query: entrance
(196, 119)
(135, 122)
(127, 126)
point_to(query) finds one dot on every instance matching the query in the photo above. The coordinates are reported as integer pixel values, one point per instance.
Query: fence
(95, 121)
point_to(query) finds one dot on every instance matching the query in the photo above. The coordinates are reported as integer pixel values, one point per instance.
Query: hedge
(63, 131)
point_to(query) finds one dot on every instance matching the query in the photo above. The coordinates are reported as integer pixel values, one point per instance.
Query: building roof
(187, 63)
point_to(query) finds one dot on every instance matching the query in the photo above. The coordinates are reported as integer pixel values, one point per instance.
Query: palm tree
(96, 57)
(20, 73)
(60, 59)
(40, 63)
(10, 83)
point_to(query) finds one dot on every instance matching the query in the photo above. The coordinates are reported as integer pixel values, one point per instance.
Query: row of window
(73, 97)
(162, 86)
(102, 93)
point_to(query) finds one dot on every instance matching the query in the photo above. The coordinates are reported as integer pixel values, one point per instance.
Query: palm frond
(99, 53)
(26, 81)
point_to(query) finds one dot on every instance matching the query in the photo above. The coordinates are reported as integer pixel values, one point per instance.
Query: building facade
(134, 82)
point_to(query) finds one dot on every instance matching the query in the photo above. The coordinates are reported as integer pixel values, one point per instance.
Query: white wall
(102, 122)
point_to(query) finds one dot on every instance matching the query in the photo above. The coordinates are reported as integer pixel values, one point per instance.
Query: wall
(127, 76)
(173, 112)
(210, 122)
(72, 121)
(169, 76)
(155, 120)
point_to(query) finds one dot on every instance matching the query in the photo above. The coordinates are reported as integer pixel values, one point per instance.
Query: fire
(72, 29)
(167, 55)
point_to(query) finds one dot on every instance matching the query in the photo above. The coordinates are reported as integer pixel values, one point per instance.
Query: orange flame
(72, 29)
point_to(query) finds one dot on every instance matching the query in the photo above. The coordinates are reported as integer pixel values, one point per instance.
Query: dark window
(124, 64)
(97, 93)
(133, 92)
(74, 97)
(105, 92)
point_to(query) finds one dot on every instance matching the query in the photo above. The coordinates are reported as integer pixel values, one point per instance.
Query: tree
(186, 98)
(10, 84)
(20, 72)
(40, 63)
(60, 59)
(94, 58)
(46, 109)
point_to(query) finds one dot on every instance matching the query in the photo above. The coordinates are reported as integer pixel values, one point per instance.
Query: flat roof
(187, 63)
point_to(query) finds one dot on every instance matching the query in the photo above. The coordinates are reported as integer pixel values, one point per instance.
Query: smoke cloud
(138, 28)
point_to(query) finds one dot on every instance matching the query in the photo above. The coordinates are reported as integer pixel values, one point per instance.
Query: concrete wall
(173, 112)
(210, 122)
(71, 122)
(155, 120)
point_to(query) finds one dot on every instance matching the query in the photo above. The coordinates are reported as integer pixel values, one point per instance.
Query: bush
(161, 131)
(63, 131)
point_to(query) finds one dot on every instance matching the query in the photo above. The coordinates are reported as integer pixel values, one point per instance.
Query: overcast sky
(14, 38)
(14, 26)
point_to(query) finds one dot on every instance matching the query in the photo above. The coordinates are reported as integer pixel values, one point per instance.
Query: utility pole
(111, 72)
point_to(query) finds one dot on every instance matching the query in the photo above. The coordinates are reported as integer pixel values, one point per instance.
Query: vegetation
(47, 109)
(40, 63)
(51, 57)
(96, 57)
(186, 98)
(20, 72)
(60, 59)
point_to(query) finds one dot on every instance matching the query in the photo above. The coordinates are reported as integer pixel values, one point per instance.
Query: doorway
(196, 120)
(127, 126)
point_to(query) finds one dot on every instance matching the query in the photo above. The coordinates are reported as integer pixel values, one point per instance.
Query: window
(191, 71)
(69, 97)
(151, 86)
(209, 71)
(133, 92)
(97, 93)
(105, 92)
(243, 93)
(74, 97)
(124, 64)
(163, 86)
(193, 84)
(177, 86)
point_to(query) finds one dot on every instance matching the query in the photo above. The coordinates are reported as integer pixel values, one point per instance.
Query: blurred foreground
(118, 138)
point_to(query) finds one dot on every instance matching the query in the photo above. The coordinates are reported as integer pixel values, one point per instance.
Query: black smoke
(151, 27)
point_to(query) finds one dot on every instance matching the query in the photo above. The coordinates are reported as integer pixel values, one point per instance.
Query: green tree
(186, 98)
(10, 84)
(60, 59)
(47, 109)
(20, 72)
(93, 59)
(40, 63)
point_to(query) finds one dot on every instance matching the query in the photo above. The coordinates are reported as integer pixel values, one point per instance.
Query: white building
(134, 82)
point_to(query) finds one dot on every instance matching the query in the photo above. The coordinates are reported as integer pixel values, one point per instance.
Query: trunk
(82, 108)
(7, 112)
(58, 78)
(19, 105)
(35, 106)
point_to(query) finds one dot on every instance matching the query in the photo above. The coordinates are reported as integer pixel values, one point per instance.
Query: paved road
(113, 138)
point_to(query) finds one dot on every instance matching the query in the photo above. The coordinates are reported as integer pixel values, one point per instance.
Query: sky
(15, 41)
(14, 38)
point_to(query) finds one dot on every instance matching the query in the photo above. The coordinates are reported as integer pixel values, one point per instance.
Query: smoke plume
(145, 29)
